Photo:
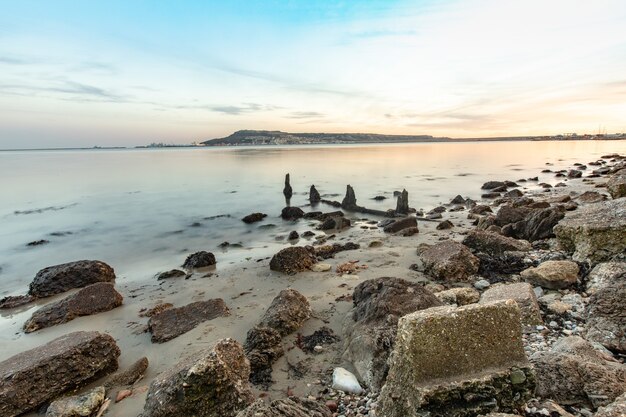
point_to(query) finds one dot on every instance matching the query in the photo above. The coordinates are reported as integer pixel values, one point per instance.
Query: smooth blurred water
(144, 210)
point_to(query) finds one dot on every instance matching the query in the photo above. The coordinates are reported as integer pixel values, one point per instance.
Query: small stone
(482, 284)
(321, 267)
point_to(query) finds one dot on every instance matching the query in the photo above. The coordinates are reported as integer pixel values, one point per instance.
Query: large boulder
(606, 310)
(290, 407)
(574, 372)
(458, 361)
(200, 259)
(60, 278)
(594, 233)
(287, 312)
(84, 405)
(173, 322)
(370, 329)
(292, 213)
(93, 299)
(36, 376)
(523, 294)
(554, 275)
(494, 243)
(401, 224)
(449, 261)
(616, 185)
(292, 260)
(209, 383)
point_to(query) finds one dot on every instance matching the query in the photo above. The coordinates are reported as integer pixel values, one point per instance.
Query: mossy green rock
(458, 362)
(594, 233)
(210, 383)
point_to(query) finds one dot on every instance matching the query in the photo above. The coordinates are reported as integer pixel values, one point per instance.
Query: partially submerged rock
(458, 361)
(200, 259)
(209, 383)
(402, 206)
(606, 311)
(573, 372)
(173, 322)
(289, 407)
(314, 195)
(523, 294)
(449, 261)
(292, 213)
(60, 278)
(553, 275)
(36, 376)
(594, 233)
(173, 273)
(401, 224)
(292, 260)
(287, 190)
(93, 299)
(370, 329)
(84, 405)
(253, 218)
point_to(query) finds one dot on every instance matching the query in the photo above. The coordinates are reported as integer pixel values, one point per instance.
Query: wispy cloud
(305, 115)
(67, 90)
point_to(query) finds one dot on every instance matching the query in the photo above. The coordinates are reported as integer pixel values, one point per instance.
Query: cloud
(305, 115)
(233, 110)
(77, 91)
(12, 61)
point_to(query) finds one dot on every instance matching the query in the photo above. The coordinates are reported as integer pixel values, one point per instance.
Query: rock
(616, 185)
(84, 405)
(449, 261)
(329, 251)
(173, 322)
(315, 342)
(292, 260)
(401, 224)
(522, 293)
(480, 209)
(573, 372)
(594, 233)
(36, 376)
(490, 185)
(13, 301)
(445, 225)
(458, 200)
(292, 213)
(370, 329)
(128, 376)
(314, 195)
(254, 217)
(494, 244)
(537, 224)
(200, 259)
(290, 407)
(345, 381)
(263, 347)
(209, 383)
(287, 191)
(615, 409)
(458, 361)
(402, 207)
(482, 284)
(460, 296)
(174, 273)
(60, 278)
(93, 299)
(591, 197)
(320, 267)
(287, 312)
(155, 310)
(349, 201)
(554, 275)
(38, 242)
(606, 311)
(293, 235)
(574, 173)
(333, 223)
(122, 395)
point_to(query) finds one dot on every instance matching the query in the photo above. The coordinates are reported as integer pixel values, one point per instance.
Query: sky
(125, 73)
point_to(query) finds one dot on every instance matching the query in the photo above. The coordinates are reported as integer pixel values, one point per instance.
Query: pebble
(482, 284)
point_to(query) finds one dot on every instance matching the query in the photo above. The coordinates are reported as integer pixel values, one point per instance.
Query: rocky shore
(512, 305)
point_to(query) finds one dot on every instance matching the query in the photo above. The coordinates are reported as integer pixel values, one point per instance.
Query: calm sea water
(143, 211)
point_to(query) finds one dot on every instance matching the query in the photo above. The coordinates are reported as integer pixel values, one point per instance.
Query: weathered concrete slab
(523, 294)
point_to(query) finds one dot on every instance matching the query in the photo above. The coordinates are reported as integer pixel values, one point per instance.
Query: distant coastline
(279, 138)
